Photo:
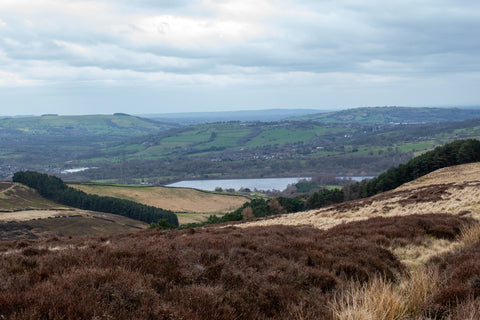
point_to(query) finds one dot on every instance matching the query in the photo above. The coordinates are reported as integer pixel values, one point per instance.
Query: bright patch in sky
(146, 56)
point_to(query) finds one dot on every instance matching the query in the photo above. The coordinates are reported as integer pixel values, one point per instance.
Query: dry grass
(381, 299)
(415, 255)
(374, 300)
(453, 190)
(445, 287)
(209, 273)
(470, 234)
(36, 214)
(174, 199)
(15, 196)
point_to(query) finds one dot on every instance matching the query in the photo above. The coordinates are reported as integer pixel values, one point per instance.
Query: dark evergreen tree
(55, 189)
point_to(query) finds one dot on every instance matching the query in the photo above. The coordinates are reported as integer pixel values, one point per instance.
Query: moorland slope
(174, 199)
(24, 214)
(190, 205)
(354, 270)
(453, 190)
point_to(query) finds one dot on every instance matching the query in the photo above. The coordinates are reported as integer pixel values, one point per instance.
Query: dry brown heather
(24, 214)
(454, 190)
(174, 199)
(447, 287)
(23, 225)
(277, 272)
(393, 264)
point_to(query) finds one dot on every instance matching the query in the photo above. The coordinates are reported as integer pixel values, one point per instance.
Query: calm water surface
(252, 184)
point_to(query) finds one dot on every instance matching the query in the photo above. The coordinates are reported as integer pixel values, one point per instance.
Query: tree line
(53, 188)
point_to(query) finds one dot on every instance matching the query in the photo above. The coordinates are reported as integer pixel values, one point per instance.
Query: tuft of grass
(417, 288)
(383, 299)
(470, 234)
(375, 300)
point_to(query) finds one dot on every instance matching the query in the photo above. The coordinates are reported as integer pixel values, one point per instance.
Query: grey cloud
(411, 41)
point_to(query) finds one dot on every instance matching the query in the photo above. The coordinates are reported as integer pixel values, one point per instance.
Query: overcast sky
(158, 56)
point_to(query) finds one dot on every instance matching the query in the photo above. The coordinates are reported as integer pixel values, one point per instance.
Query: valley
(408, 253)
(403, 245)
(130, 150)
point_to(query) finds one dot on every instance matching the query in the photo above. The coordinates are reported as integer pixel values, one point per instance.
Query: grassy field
(209, 138)
(192, 204)
(216, 138)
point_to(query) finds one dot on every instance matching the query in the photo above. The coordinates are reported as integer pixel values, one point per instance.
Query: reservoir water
(252, 184)
(262, 184)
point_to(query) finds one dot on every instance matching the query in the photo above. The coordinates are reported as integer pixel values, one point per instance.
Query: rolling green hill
(394, 115)
(51, 141)
(127, 149)
(273, 149)
(233, 136)
(107, 125)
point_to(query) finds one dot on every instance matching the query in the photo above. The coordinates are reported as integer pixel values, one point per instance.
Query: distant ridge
(118, 124)
(267, 115)
(404, 115)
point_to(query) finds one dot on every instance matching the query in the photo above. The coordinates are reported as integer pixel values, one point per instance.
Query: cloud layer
(107, 56)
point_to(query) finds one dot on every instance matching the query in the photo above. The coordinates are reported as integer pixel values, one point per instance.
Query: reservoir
(262, 184)
(252, 184)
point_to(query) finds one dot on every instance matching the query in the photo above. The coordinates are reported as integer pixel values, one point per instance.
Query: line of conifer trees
(53, 188)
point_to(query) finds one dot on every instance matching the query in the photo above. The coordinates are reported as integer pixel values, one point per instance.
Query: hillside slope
(453, 190)
(114, 125)
(24, 214)
(16, 196)
(394, 115)
(190, 205)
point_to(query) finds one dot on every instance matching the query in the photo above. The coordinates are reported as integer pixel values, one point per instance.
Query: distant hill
(123, 148)
(108, 125)
(394, 115)
(225, 116)
(31, 142)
